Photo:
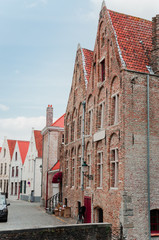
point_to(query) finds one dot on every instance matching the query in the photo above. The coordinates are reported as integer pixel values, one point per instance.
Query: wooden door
(87, 204)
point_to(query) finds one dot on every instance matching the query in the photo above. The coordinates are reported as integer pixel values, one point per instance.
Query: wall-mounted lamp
(85, 169)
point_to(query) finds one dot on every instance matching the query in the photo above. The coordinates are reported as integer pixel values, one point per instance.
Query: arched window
(154, 221)
(115, 101)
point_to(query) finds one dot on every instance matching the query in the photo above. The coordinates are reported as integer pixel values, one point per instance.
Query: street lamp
(85, 169)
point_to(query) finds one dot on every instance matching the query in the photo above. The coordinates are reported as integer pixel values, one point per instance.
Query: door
(87, 204)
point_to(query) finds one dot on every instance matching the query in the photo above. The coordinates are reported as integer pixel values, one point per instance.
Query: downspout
(47, 169)
(148, 157)
(83, 123)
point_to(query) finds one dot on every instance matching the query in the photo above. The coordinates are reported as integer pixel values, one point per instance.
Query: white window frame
(100, 168)
(116, 168)
(116, 107)
(102, 114)
(90, 111)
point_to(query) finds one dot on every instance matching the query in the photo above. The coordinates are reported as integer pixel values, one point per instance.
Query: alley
(23, 215)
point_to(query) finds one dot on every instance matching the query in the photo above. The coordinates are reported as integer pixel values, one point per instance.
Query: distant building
(16, 166)
(5, 161)
(32, 169)
(53, 140)
(115, 94)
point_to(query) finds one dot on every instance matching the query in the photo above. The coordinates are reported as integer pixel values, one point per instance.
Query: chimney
(49, 115)
(155, 45)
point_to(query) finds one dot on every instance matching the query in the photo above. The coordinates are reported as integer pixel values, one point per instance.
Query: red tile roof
(88, 58)
(59, 122)
(23, 148)
(56, 166)
(134, 36)
(38, 142)
(0, 149)
(11, 145)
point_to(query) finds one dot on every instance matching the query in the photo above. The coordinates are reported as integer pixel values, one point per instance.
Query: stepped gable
(38, 142)
(23, 148)
(59, 122)
(134, 40)
(87, 62)
(11, 145)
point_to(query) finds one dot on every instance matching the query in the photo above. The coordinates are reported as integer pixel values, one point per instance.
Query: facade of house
(16, 167)
(112, 125)
(32, 169)
(53, 141)
(5, 160)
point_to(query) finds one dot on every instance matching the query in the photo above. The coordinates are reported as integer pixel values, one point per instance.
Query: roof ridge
(129, 15)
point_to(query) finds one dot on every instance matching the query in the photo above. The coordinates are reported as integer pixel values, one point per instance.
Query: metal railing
(53, 201)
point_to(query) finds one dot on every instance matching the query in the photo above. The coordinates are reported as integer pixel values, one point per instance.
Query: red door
(87, 204)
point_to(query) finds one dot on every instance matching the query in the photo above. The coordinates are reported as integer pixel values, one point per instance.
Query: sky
(38, 46)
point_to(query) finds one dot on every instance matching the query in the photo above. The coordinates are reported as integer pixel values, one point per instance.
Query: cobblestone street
(22, 215)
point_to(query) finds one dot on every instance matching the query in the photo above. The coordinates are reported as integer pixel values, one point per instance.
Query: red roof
(88, 55)
(23, 148)
(0, 149)
(11, 145)
(59, 122)
(38, 142)
(56, 166)
(134, 36)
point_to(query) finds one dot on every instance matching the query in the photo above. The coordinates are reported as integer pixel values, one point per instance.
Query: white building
(31, 173)
(16, 166)
(6, 154)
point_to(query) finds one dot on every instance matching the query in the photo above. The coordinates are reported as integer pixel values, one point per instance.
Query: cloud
(3, 107)
(20, 127)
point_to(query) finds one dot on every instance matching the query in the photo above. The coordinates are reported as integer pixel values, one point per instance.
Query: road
(23, 215)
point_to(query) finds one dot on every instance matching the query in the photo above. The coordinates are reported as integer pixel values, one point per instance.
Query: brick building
(53, 141)
(115, 93)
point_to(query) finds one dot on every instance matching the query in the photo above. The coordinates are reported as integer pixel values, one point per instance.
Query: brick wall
(84, 232)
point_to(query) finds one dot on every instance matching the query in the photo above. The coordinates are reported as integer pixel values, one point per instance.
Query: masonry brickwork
(115, 135)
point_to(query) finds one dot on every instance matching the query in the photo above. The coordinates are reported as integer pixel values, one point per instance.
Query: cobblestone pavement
(22, 215)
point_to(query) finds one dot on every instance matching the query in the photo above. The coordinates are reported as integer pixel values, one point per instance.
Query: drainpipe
(148, 157)
(83, 123)
(47, 169)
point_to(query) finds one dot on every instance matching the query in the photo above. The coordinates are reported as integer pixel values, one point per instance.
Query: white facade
(15, 173)
(31, 173)
(5, 160)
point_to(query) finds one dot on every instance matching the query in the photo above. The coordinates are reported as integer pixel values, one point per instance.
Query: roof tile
(38, 142)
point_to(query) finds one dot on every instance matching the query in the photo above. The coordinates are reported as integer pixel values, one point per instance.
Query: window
(99, 169)
(89, 169)
(1, 168)
(67, 134)
(4, 152)
(115, 108)
(21, 186)
(5, 184)
(5, 168)
(73, 131)
(66, 172)
(90, 113)
(12, 188)
(1, 184)
(114, 168)
(103, 70)
(79, 172)
(24, 186)
(154, 214)
(73, 172)
(79, 131)
(16, 171)
(62, 138)
(100, 115)
(16, 156)
(15, 188)
(12, 171)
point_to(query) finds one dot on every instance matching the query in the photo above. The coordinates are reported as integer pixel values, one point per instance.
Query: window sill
(114, 188)
(100, 84)
(99, 188)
